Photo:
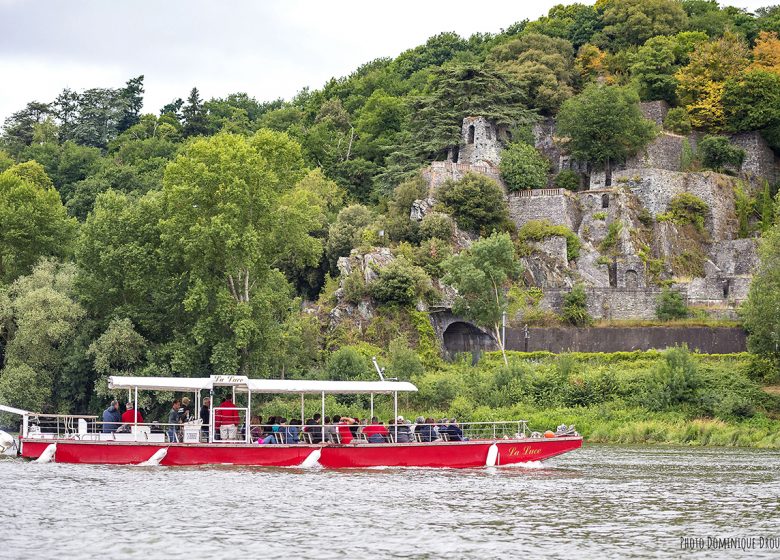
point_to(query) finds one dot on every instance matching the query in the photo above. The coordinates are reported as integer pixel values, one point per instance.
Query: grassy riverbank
(674, 396)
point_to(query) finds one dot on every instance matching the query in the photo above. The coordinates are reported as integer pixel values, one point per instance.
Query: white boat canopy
(244, 384)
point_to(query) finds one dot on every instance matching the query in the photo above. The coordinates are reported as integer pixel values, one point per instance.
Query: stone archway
(461, 336)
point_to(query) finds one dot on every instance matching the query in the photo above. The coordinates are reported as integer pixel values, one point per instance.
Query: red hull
(443, 454)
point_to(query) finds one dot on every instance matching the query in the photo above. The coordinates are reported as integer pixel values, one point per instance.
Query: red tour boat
(81, 439)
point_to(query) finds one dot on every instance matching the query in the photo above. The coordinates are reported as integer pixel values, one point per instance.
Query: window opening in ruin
(612, 271)
(488, 133)
(605, 201)
(471, 134)
(726, 286)
(632, 279)
(455, 154)
(509, 135)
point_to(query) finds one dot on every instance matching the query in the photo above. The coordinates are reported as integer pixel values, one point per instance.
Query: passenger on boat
(256, 430)
(418, 422)
(269, 430)
(401, 431)
(330, 430)
(205, 416)
(344, 429)
(130, 415)
(173, 420)
(111, 418)
(375, 432)
(184, 410)
(427, 431)
(314, 427)
(453, 431)
(227, 420)
(292, 432)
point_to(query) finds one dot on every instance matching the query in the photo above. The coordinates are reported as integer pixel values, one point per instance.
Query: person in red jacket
(345, 433)
(130, 415)
(227, 419)
(375, 432)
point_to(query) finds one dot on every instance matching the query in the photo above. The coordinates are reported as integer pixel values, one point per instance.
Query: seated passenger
(256, 430)
(401, 431)
(417, 424)
(269, 432)
(314, 427)
(292, 432)
(427, 431)
(453, 430)
(375, 432)
(330, 430)
(344, 429)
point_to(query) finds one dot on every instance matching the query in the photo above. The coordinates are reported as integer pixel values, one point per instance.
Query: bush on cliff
(523, 167)
(476, 202)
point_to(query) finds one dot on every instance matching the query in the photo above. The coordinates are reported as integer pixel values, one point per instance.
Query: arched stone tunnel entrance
(461, 336)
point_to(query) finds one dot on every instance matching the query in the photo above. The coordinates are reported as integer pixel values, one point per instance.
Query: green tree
(481, 275)
(670, 305)
(39, 314)
(476, 202)
(523, 167)
(229, 218)
(120, 350)
(540, 65)
(33, 220)
(604, 125)
(632, 22)
(752, 101)
(575, 307)
(401, 283)
(716, 152)
(347, 231)
(761, 311)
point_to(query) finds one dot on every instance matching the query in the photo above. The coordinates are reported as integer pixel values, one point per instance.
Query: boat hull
(437, 455)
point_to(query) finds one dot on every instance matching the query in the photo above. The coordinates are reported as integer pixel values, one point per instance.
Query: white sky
(267, 48)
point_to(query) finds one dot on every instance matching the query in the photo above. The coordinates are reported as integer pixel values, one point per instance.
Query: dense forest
(203, 237)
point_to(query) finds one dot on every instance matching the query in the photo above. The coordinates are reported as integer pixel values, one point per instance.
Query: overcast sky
(268, 49)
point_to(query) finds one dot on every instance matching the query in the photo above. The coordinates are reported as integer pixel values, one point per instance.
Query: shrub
(404, 362)
(575, 308)
(678, 121)
(670, 305)
(600, 216)
(354, 287)
(400, 282)
(476, 202)
(716, 152)
(611, 239)
(347, 363)
(674, 381)
(397, 223)
(523, 167)
(431, 254)
(436, 224)
(567, 179)
(346, 232)
(686, 208)
(539, 230)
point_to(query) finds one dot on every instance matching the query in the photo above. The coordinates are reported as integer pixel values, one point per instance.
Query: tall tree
(133, 97)
(761, 311)
(481, 275)
(230, 214)
(33, 220)
(194, 115)
(603, 125)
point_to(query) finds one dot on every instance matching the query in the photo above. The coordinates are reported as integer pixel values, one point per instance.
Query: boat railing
(89, 428)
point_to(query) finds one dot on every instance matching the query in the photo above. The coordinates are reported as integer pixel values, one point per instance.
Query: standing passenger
(173, 421)
(227, 420)
(111, 418)
(130, 415)
(205, 417)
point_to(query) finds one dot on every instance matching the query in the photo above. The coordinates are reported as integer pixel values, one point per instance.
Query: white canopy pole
(322, 418)
(135, 410)
(302, 411)
(395, 413)
(372, 407)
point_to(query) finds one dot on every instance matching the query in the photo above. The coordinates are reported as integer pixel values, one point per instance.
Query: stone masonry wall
(481, 142)
(558, 209)
(439, 171)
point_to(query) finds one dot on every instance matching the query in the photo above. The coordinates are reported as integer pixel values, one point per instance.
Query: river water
(598, 502)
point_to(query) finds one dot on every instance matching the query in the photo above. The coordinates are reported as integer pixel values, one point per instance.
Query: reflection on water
(601, 501)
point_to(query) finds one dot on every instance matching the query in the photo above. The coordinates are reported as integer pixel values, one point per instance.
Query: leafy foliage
(523, 167)
(716, 152)
(476, 202)
(670, 306)
(575, 307)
